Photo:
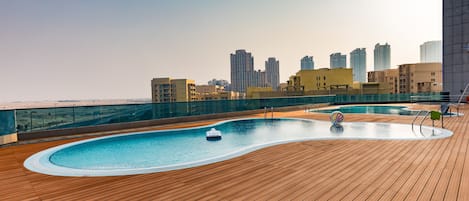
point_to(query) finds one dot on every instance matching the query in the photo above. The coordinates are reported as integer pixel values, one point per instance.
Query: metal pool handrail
(415, 118)
(421, 122)
(271, 112)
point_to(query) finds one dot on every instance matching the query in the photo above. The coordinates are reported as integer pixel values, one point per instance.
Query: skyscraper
(272, 72)
(243, 74)
(358, 64)
(307, 63)
(430, 52)
(242, 68)
(382, 56)
(455, 46)
(338, 60)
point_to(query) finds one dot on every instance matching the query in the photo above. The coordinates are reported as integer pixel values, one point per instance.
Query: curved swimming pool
(156, 151)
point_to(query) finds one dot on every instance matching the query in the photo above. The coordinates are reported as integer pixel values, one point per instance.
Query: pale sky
(111, 49)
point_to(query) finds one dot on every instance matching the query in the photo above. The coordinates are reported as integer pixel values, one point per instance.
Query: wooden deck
(312, 170)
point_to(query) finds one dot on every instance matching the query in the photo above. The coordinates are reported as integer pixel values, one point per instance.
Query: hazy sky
(101, 49)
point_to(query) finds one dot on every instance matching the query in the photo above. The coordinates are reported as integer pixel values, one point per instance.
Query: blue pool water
(175, 149)
(395, 110)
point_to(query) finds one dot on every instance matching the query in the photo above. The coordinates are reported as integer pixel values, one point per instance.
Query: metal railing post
(272, 112)
(442, 122)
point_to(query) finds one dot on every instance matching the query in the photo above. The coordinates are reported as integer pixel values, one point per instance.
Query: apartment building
(165, 90)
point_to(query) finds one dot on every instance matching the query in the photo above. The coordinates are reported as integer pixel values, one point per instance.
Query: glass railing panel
(7, 122)
(72, 117)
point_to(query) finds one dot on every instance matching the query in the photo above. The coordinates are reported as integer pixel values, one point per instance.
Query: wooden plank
(455, 180)
(414, 185)
(463, 193)
(430, 187)
(378, 161)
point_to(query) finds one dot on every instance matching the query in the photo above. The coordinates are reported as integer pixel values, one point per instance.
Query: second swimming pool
(374, 109)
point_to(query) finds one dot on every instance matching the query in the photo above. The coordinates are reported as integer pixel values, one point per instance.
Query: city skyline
(54, 50)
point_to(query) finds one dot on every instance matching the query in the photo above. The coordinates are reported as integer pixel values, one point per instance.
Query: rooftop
(312, 170)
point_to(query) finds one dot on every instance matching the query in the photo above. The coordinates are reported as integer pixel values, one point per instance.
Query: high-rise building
(382, 57)
(165, 90)
(243, 74)
(358, 64)
(242, 68)
(258, 79)
(430, 52)
(307, 63)
(272, 72)
(455, 46)
(338, 60)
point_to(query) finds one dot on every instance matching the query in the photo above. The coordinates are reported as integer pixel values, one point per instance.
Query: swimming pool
(366, 109)
(157, 151)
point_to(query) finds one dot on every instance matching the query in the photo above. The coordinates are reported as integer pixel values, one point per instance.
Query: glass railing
(72, 117)
(7, 122)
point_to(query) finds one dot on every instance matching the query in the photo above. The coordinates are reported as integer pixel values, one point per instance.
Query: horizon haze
(76, 50)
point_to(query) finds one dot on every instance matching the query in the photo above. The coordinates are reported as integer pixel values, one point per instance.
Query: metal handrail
(460, 99)
(271, 110)
(464, 92)
(421, 122)
(416, 116)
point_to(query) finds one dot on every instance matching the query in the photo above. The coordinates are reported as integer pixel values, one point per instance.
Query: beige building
(420, 77)
(208, 89)
(256, 92)
(283, 86)
(376, 76)
(321, 79)
(215, 92)
(172, 90)
(409, 78)
(370, 88)
(391, 80)
(222, 95)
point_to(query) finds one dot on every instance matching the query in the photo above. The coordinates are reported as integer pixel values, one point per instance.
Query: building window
(433, 73)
